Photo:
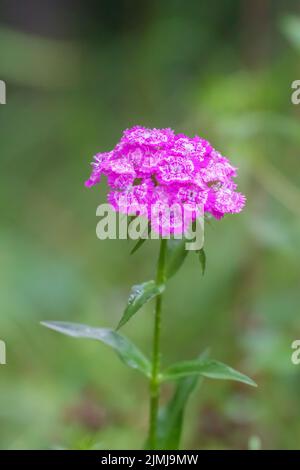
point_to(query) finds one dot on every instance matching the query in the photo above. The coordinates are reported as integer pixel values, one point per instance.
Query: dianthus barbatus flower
(150, 169)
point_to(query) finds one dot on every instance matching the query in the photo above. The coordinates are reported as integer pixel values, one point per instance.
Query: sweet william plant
(149, 171)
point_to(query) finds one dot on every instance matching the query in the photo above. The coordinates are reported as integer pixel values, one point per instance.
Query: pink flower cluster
(150, 169)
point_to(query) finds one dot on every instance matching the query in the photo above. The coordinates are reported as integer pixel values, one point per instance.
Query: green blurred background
(77, 74)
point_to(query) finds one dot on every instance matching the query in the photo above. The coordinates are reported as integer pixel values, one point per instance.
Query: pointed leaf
(170, 419)
(207, 368)
(129, 218)
(141, 241)
(144, 236)
(126, 350)
(175, 256)
(138, 245)
(202, 259)
(140, 294)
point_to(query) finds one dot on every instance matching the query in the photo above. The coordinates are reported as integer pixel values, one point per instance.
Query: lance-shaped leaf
(126, 350)
(141, 240)
(202, 259)
(170, 419)
(176, 255)
(138, 245)
(140, 294)
(207, 368)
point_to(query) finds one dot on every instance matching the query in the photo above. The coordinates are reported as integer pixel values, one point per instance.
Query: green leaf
(141, 241)
(175, 256)
(138, 245)
(130, 219)
(126, 350)
(202, 259)
(207, 368)
(170, 419)
(140, 294)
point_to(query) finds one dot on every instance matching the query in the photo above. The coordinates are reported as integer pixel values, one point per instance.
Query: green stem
(155, 380)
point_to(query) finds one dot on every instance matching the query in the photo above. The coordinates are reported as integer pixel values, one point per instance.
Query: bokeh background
(77, 74)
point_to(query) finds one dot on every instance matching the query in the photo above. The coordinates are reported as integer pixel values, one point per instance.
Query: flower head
(151, 170)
